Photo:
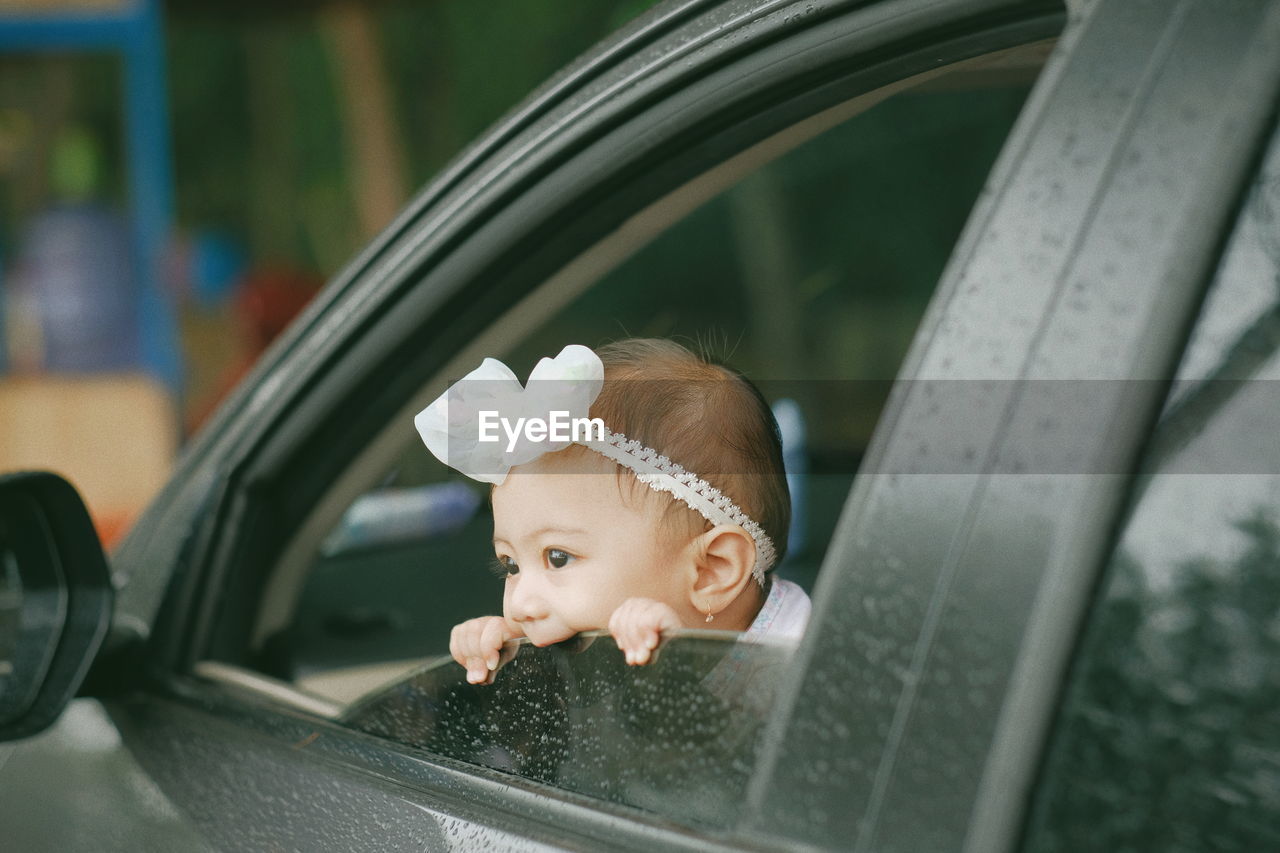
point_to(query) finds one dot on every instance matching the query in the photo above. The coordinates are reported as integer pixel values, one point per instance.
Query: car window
(1168, 738)
(810, 275)
(679, 739)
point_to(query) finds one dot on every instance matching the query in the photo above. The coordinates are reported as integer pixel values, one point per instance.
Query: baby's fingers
(643, 636)
(458, 643)
(477, 644)
(472, 657)
(636, 626)
(477, 671)
(622, 627)
(491, 640)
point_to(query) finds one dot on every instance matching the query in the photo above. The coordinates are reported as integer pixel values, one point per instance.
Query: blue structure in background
(133, 30)
(795, 462)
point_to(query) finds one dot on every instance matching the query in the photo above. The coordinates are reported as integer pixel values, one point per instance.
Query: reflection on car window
(678, 736)
(1169, 738)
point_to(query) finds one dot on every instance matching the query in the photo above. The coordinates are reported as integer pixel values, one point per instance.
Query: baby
(663, 508)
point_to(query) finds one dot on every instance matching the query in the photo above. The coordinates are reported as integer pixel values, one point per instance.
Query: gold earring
(709, 616)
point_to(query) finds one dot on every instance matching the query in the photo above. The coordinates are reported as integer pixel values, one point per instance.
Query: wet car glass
(678, 736)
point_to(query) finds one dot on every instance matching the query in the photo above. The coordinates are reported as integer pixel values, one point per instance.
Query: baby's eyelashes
(504, 567)
(557, 558)
(554, 558)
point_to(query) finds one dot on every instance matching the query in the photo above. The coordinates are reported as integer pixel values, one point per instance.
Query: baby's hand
(637, 625)
(477, 645)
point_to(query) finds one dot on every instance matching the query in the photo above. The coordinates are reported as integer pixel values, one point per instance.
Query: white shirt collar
(784, 614)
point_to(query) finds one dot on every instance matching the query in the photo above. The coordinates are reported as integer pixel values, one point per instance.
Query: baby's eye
(558, 559)
(504, 567)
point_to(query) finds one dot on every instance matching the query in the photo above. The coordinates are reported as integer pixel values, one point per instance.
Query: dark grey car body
(1086, 258)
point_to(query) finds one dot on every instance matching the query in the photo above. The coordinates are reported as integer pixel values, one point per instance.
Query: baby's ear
(725, 561)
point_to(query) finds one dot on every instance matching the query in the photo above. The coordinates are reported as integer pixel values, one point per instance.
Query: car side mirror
(55, 599)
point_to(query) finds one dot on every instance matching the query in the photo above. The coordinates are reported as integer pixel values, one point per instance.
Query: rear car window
(1169, 737)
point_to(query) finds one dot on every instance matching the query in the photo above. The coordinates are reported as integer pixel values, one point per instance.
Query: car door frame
(272, 416)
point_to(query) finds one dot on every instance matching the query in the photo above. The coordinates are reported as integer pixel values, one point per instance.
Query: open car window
(810, 274)
(810, 270)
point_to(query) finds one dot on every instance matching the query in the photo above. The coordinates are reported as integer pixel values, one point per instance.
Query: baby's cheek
(585, 611)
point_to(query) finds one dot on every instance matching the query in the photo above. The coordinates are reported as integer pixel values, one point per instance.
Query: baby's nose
(523, 602)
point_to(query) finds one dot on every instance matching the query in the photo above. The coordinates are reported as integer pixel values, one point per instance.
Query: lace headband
(470, 428)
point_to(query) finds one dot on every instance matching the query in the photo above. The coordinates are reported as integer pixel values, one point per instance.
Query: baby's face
(576, 548)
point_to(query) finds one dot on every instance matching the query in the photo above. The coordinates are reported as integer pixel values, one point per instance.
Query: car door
(681, 146)
(1083, 260)
(992, 500)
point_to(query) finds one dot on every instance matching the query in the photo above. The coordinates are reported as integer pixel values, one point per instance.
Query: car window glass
(679, 739)
(1169, 738)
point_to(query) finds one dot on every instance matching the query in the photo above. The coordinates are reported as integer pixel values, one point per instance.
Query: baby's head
(707, 418)
(577, 533)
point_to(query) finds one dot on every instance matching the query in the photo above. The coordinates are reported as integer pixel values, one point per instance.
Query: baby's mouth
(547, 637)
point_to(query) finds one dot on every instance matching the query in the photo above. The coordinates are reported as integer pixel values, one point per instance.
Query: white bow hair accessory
(567, 384)
(451, 425)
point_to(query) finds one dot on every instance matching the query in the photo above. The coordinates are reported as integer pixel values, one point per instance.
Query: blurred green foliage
(257, 118)
(818, 266)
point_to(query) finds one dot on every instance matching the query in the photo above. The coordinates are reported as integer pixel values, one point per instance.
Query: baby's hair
(707, 417)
